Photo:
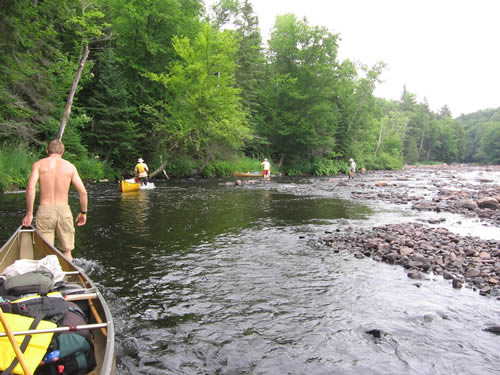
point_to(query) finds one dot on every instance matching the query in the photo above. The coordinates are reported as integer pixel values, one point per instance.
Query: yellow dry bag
(34, 346)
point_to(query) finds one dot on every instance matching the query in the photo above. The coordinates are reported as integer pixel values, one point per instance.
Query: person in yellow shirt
(141, 171)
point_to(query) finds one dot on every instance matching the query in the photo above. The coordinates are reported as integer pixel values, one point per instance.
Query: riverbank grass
(15, 166)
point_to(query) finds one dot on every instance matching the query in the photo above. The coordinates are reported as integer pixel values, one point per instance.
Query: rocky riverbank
(465, 261)
(466, 191)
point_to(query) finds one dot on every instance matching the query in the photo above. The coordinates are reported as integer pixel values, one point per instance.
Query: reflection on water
(208, 279)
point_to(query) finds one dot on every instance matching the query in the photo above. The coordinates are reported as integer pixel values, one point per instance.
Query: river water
(204, 278)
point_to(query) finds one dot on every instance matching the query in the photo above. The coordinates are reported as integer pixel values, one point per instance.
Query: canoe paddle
(55, 330)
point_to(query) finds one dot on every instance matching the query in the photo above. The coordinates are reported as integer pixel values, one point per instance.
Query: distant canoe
(132, 184)
(248, 174)
(129, 185)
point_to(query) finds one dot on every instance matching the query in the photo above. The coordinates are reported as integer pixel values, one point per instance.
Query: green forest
(197, 91)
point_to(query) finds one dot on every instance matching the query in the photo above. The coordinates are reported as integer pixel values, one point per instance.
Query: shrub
(326, 167)
(15, 166)
(90, 169)
(180, 167)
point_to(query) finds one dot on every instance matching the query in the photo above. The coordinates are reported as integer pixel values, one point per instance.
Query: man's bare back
(55, 176)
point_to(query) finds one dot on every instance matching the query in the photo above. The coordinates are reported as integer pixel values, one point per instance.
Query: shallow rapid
(204, 278)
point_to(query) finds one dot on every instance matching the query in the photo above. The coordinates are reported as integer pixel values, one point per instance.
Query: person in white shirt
(352, 168)
(267, 168)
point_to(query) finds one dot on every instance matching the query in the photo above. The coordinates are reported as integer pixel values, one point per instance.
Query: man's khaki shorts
(56, 221)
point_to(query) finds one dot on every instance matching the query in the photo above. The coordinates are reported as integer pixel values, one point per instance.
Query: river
(204, 278)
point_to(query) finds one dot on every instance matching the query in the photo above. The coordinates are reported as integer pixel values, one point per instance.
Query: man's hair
(55, 147)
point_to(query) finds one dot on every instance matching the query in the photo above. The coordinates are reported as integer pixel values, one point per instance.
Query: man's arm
(30, 195)
(77, 182)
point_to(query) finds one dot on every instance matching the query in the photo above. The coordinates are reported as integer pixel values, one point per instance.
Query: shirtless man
(54, 217)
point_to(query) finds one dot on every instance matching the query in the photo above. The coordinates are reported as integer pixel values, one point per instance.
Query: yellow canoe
(128, 185)
(248, 174)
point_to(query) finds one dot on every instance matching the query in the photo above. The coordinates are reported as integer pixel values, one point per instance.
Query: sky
(446, 52)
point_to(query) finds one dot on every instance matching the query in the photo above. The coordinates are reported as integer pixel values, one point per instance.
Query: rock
(436, 220)
(487, 202)
(428, 317)
(472, 273)
(493, 329)
(377, 333)
(405, 251)
(424, 205)
(391, 257)
(468, 204)
(484, 255)
(456, 284)
(416, 275)
(382, 184)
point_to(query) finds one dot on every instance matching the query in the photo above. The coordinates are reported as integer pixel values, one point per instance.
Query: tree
(300, 116)
(201, 112)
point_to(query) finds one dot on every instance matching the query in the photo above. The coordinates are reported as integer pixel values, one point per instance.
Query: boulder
(487, 202)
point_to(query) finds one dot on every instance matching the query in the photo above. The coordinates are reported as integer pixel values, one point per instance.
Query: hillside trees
(39, 53)
(482, 130)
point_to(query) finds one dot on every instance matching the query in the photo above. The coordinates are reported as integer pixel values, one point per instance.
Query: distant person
(141, 172)
(352, 168)
(54, 217)
(267, 168)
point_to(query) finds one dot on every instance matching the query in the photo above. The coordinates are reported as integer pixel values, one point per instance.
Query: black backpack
(70, 353)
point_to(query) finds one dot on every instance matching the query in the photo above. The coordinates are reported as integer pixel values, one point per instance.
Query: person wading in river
(54, 216)
(267, 169)
(141, 172)
(352, 168)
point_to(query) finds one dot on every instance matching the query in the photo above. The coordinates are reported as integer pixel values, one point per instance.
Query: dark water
(209, 279)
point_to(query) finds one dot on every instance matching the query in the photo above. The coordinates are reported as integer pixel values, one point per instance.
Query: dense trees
(166, 80)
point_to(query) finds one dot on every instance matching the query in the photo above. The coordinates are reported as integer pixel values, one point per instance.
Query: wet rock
(428, 317)
(468, 204)
(377, 333)
(424, 205)
(436, 220)
(487, 202)
(416, 275)
(457, 284)
(493, 329)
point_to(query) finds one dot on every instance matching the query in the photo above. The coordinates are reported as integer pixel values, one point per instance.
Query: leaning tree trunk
(69, 102)
(159, 169)
(205, 162)
(282, 159)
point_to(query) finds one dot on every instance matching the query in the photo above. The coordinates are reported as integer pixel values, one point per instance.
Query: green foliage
(411, 156)
(90, 169)
(490, 144)
(327, 167)
(479, 146)
(385, 161)
(181, 166)
(298, 168)
(15, 166)
(218, 168)
(201, 113)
